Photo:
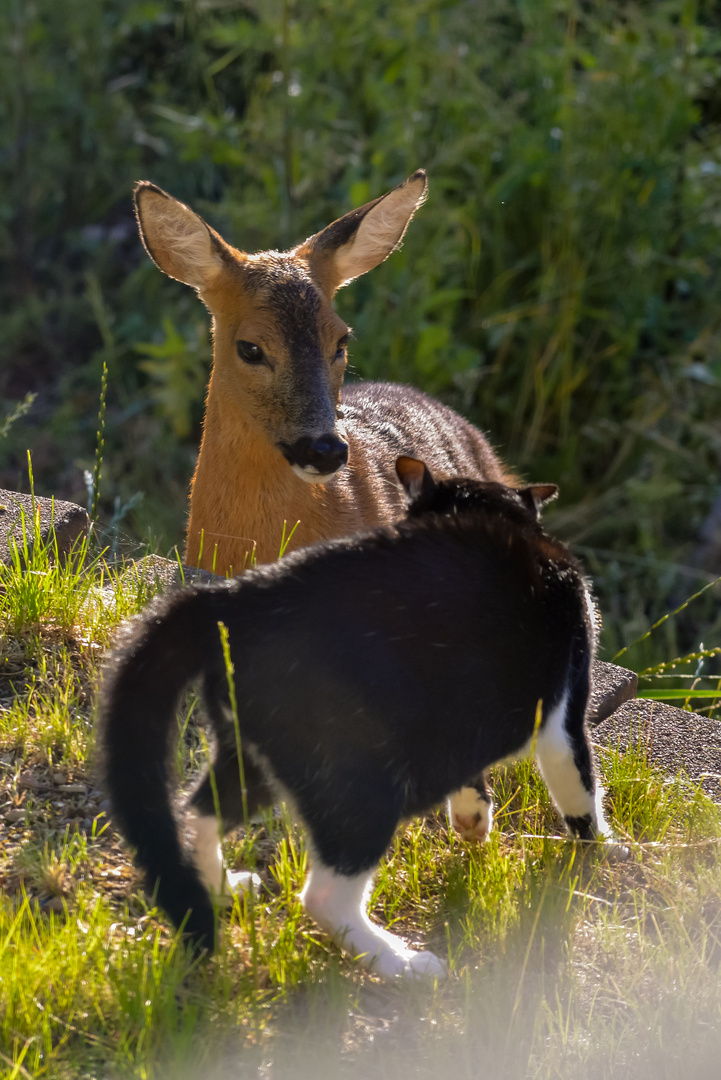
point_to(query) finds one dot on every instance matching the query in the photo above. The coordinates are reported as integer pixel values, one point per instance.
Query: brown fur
(243, 488)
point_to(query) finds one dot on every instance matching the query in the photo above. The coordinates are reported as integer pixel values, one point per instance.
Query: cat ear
(415, 477)
(535, 496)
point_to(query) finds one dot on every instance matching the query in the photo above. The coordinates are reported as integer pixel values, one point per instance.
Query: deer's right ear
(415, 477)
(177, 239)
(360, 240)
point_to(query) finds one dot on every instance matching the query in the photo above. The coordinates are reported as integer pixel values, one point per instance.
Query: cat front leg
(470, 810)
(339, 902)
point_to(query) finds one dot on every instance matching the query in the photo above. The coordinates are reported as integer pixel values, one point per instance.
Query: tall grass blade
(250, 892)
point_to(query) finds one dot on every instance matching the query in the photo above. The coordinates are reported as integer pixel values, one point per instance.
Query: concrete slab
(674, 740)
(612, 685)
(67, 521)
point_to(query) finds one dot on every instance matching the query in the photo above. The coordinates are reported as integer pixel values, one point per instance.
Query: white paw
(613, 849)
(425, 965)
(406, 964)
(237, 882)
(471, 816)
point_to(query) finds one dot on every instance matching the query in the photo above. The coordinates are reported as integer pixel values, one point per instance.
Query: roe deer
(374, 675)
(277, 431)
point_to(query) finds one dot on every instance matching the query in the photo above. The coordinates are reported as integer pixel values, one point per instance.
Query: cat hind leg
(565, 759)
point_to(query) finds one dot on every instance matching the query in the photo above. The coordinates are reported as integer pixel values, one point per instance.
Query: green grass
(562, 964)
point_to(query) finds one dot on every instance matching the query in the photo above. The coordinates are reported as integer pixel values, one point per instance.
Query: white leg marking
(338, 904)
(602, 825)
(613, 847)
(206, 851)
(222, 884)
(555, 760)
(470, 815)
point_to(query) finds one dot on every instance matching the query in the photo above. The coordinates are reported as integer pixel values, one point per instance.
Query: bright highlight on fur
(374, 677)
(380, 231)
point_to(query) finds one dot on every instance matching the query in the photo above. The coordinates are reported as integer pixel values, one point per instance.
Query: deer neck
(242, 492)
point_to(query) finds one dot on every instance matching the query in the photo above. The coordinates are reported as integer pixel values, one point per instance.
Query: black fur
(374, 674)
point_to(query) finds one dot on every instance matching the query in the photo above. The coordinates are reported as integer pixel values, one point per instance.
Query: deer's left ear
(415, 477)
(535, 496)
(361, 239)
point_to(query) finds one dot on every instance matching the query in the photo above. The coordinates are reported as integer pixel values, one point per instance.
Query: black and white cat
(374, 675)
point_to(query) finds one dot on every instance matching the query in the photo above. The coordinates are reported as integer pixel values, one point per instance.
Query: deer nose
(322, 456)
(327, 453)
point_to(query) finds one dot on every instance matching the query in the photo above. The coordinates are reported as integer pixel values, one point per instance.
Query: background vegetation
(561, 286)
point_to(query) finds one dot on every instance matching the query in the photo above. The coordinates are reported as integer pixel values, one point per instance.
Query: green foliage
(561, 286)
(176, 366)
(21, 409)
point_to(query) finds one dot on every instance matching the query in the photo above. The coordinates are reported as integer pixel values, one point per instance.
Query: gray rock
(674, 740)
(612, 686)
(30, 779)
(66, 521)
(143, 577)
(54, 903)
(164, 573)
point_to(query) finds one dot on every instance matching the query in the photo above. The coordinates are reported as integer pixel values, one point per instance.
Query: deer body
(281, 442)
(243, 490)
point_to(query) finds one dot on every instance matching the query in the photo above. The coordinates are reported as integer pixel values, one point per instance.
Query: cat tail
(162, 651)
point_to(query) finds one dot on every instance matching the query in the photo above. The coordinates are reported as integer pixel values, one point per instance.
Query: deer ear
(361, 239)
(176, 238)
(535, 496)
(415, 477)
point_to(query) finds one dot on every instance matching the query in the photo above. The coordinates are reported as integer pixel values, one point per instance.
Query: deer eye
(250, 353)
(340, 349)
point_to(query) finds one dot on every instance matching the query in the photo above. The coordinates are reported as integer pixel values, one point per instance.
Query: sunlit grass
(563, 964)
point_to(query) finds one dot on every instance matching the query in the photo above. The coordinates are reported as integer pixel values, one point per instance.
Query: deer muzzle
(316, 460)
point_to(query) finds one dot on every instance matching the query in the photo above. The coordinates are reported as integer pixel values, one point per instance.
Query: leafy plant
(21, 409)
(178, 367)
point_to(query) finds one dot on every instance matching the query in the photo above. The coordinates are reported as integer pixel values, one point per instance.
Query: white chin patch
(311, 475)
